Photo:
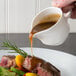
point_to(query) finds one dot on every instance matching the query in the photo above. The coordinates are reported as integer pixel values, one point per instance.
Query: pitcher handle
(68, 14)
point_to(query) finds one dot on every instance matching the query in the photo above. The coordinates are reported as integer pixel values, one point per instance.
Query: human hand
(66, 6)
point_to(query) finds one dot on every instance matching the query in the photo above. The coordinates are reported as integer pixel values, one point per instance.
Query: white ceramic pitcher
(56, 34)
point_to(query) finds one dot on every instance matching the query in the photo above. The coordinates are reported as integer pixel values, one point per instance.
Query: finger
(62, 3)
(73, 13)
(68, 8)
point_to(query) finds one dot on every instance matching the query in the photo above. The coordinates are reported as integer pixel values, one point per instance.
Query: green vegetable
(19, 72)
(5, 72)
(15, 48)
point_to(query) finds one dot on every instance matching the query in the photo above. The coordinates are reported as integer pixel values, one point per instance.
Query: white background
(16, 15)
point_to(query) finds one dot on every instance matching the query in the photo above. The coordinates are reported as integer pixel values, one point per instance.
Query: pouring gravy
(45, 23)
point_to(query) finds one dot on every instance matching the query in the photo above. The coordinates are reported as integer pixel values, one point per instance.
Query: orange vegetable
(19, 60)
(30, 74)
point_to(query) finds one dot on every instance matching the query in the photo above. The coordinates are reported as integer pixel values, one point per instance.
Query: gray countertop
(21, 40)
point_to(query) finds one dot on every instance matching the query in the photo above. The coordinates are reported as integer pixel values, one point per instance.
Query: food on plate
(8, 61)
(19, 72)
(39, 66)
(5, 72)
(19, 60)
(30, 74)
(31, 63)
(25, 65)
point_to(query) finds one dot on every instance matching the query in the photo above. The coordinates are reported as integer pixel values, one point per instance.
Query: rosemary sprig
(11, 46)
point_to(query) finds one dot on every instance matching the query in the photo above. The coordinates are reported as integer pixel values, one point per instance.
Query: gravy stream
(31, 41)
(38, 28)
(43, 25)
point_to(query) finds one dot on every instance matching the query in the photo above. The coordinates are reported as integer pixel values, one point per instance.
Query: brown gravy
(44, 24)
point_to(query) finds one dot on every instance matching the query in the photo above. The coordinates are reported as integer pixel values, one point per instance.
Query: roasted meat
(31, 62)
(8, 61)
(47, 69)
(41, 67)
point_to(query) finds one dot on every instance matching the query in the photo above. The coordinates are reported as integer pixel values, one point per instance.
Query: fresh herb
(11, 46)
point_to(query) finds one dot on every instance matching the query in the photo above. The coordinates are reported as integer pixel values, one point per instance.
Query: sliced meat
(41, 67)
(47, 69)
(31, 62)
(8, 61)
